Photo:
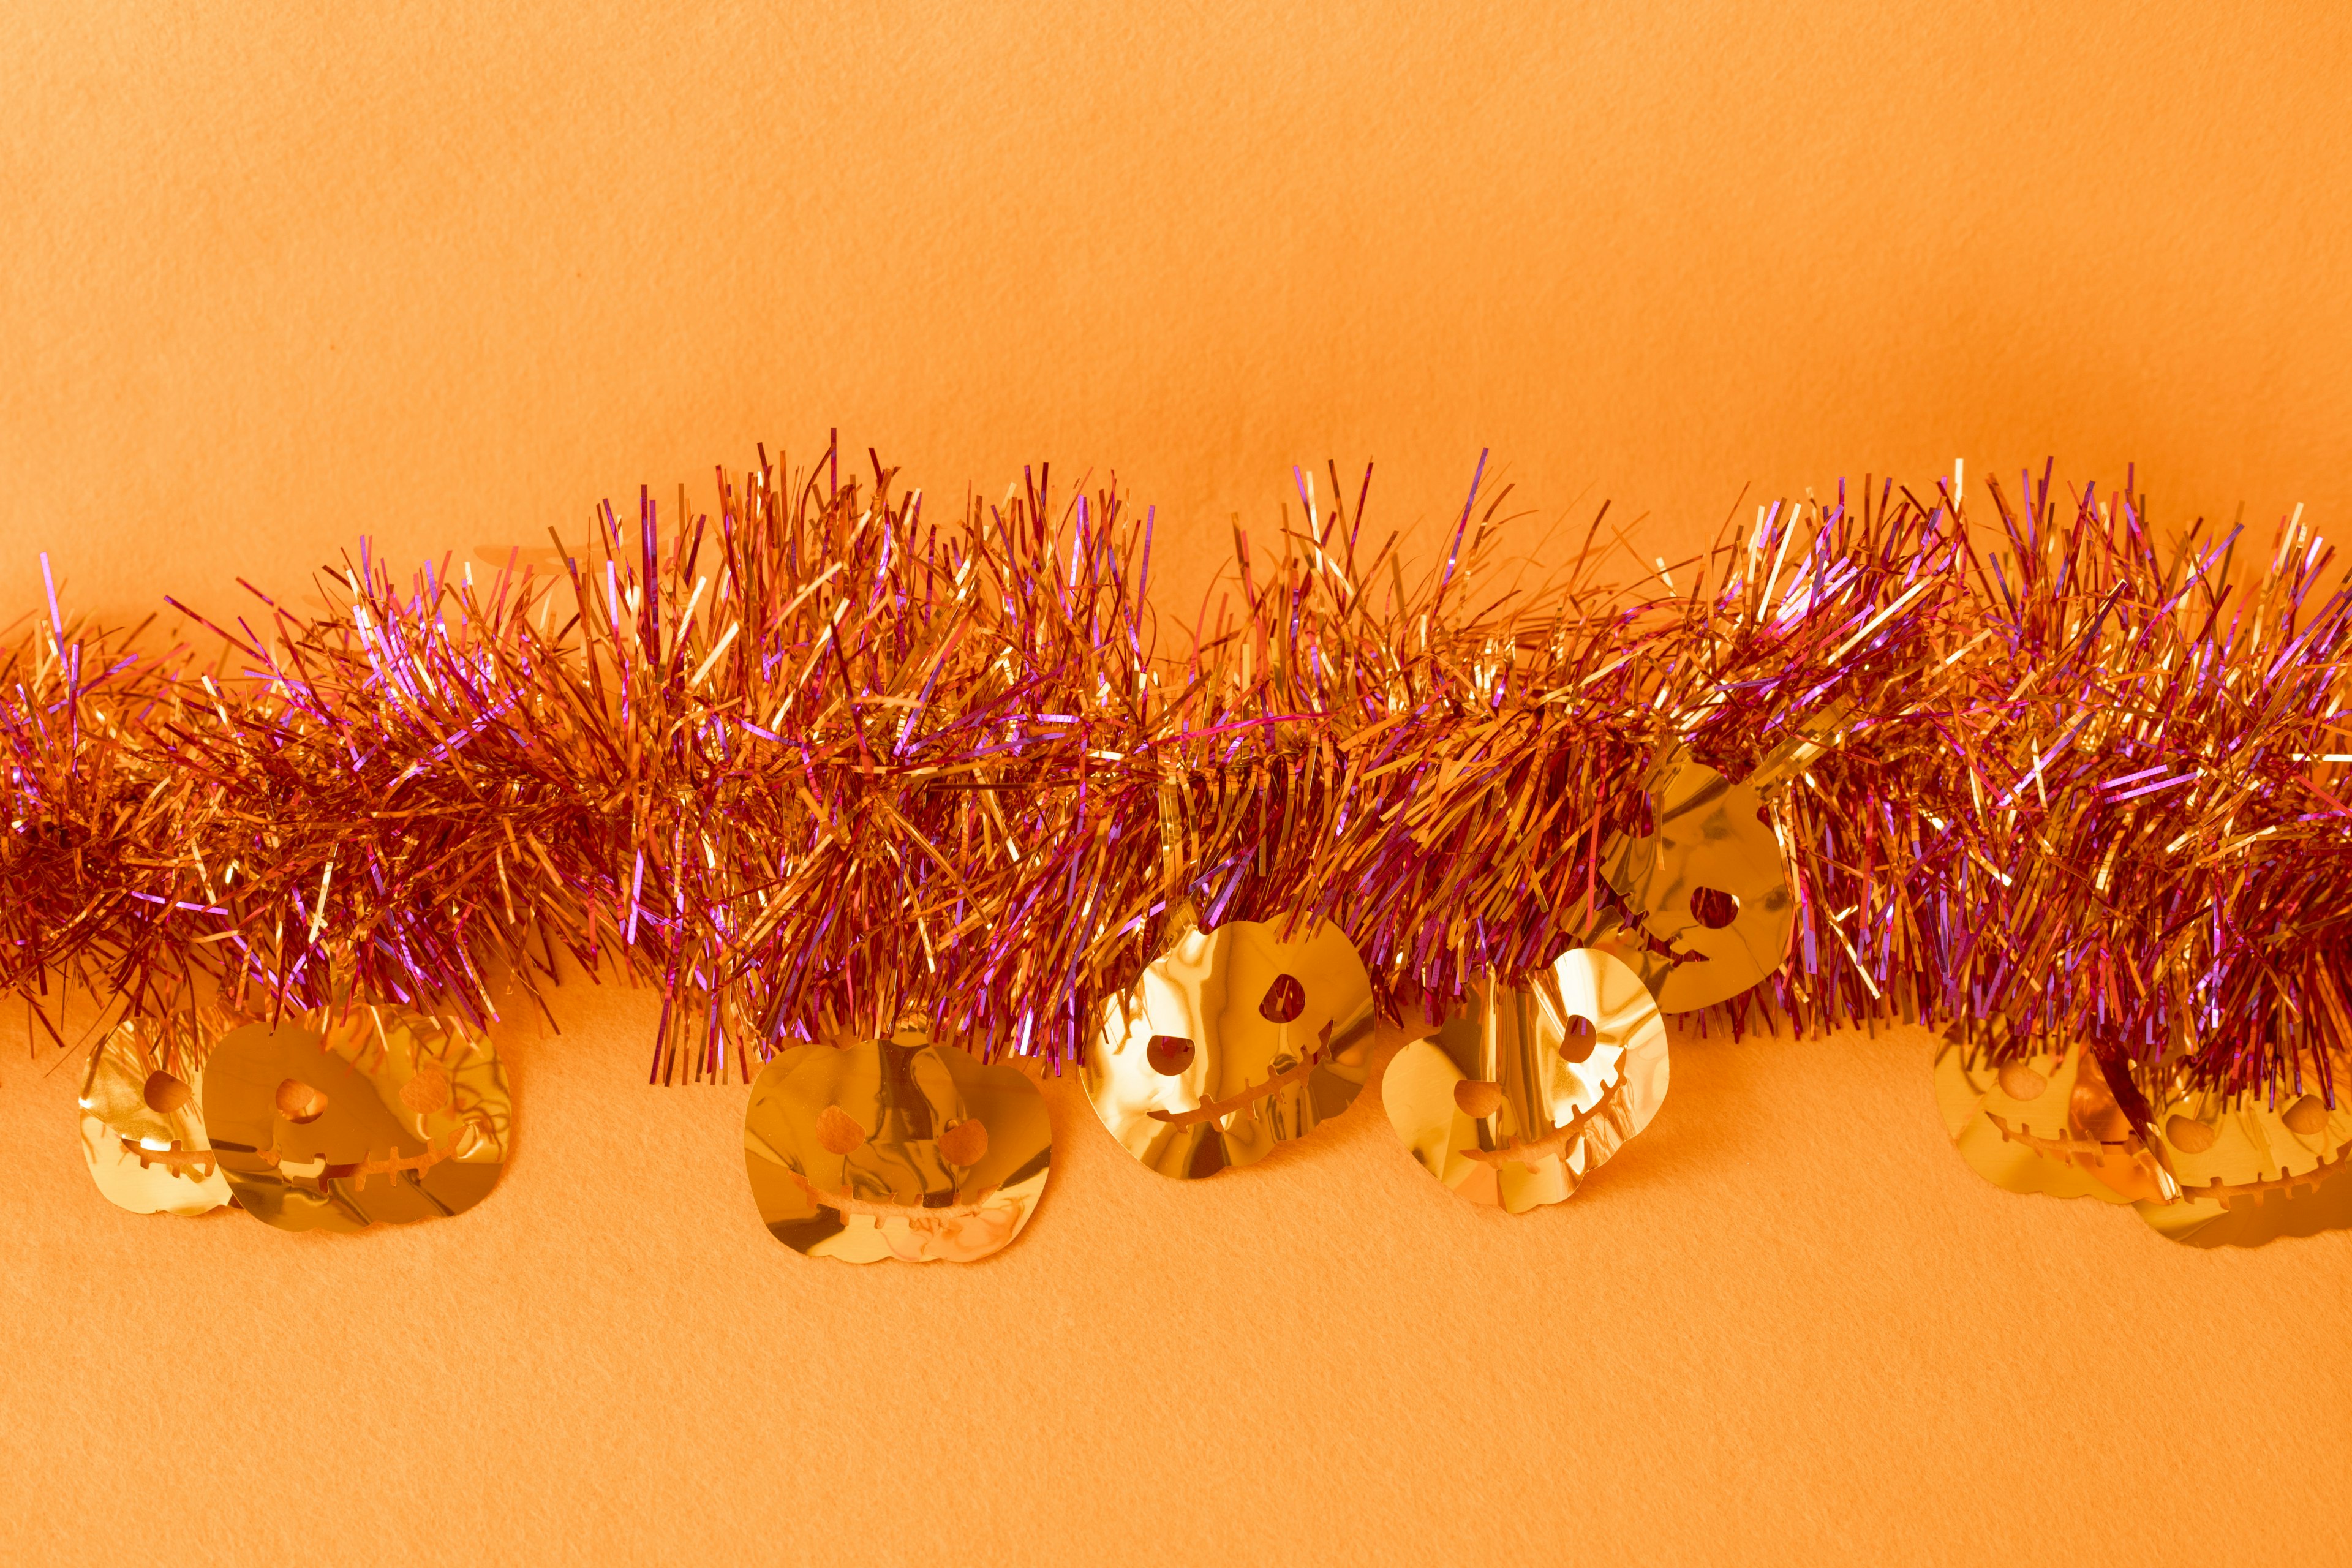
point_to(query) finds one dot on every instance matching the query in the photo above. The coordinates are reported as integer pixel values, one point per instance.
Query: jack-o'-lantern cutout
(2227, 1170)
(2044, 1123)
(143, 1129)
(1524, 1093)
(2255, 1165)
(380, 1117)
(1232, 1041)
(894, 1149)
(1708, 888)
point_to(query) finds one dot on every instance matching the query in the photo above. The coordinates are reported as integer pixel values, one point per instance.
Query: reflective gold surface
(1524, 1094)
(2253, 1167)
(2230, 1170)
(1709, 885)
(894, 1149)
(1232, 1041)
(380, 1118)
(2043, 1124)
(143, 1129)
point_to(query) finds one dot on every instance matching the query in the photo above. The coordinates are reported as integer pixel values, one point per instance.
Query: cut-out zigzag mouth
(2072, 1151)
(879, 1209)
(1671, 951)
(195, 1164)
(1211, 1110)
(358, 1172)
(1552, 1145)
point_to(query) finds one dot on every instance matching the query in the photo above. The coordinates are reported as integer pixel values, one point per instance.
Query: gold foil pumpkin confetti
(1525, 1093)
(380, 1117)
(1708, 887)
(2252, 1166)
(894, 1149)
(2223, 1170)
(1230, 1043)
(2043, 1123)
(142, 1128)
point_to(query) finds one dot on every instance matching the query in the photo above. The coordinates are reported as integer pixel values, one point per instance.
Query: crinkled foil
(1233, 1041)
(895, 1150)
(1520, 1096)
(817, 762)
(143, 1127)
(380, 1116)
(1706, 889)
(2045, 1123)
(2221, 1169)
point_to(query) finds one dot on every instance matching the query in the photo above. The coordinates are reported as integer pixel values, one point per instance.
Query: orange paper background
(276, 276)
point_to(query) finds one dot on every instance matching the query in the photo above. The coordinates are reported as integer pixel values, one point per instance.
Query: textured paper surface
(446, 274)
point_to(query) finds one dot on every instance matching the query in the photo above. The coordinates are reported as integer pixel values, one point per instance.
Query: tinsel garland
(816, 764)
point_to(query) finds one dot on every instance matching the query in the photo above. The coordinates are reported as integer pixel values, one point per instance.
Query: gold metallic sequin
(380, 1117)
(1709, 885)
(2253, 1167)
(894, 1149)
(1231, 1042)
(143, 1129)
(2228, 1169)
(1524, 1094)
(2045, 1123)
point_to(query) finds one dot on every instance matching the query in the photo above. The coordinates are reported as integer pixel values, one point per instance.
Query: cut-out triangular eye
(1578, 1038)
(428, 1092)
(1713, 908)
(165, 1094)
(1169, 1053)
(1478, 1098)
(837, 1131)
(298, 1102)
(1283, 1000)
(2190, 1137)
(965, 1144)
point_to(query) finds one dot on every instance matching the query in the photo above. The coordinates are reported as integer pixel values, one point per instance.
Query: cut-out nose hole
(1578, 1045)
(1713, 908)
(1764, 814)
(1478, 1098)
(1169, 1053)
(837, 1131)
(964, 1144)
(1283, 1000)
(298, 1102)
(2021, 1082)
(2307, 1117)
(428, 1092)
(2189, 1137)
(165, 1094)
